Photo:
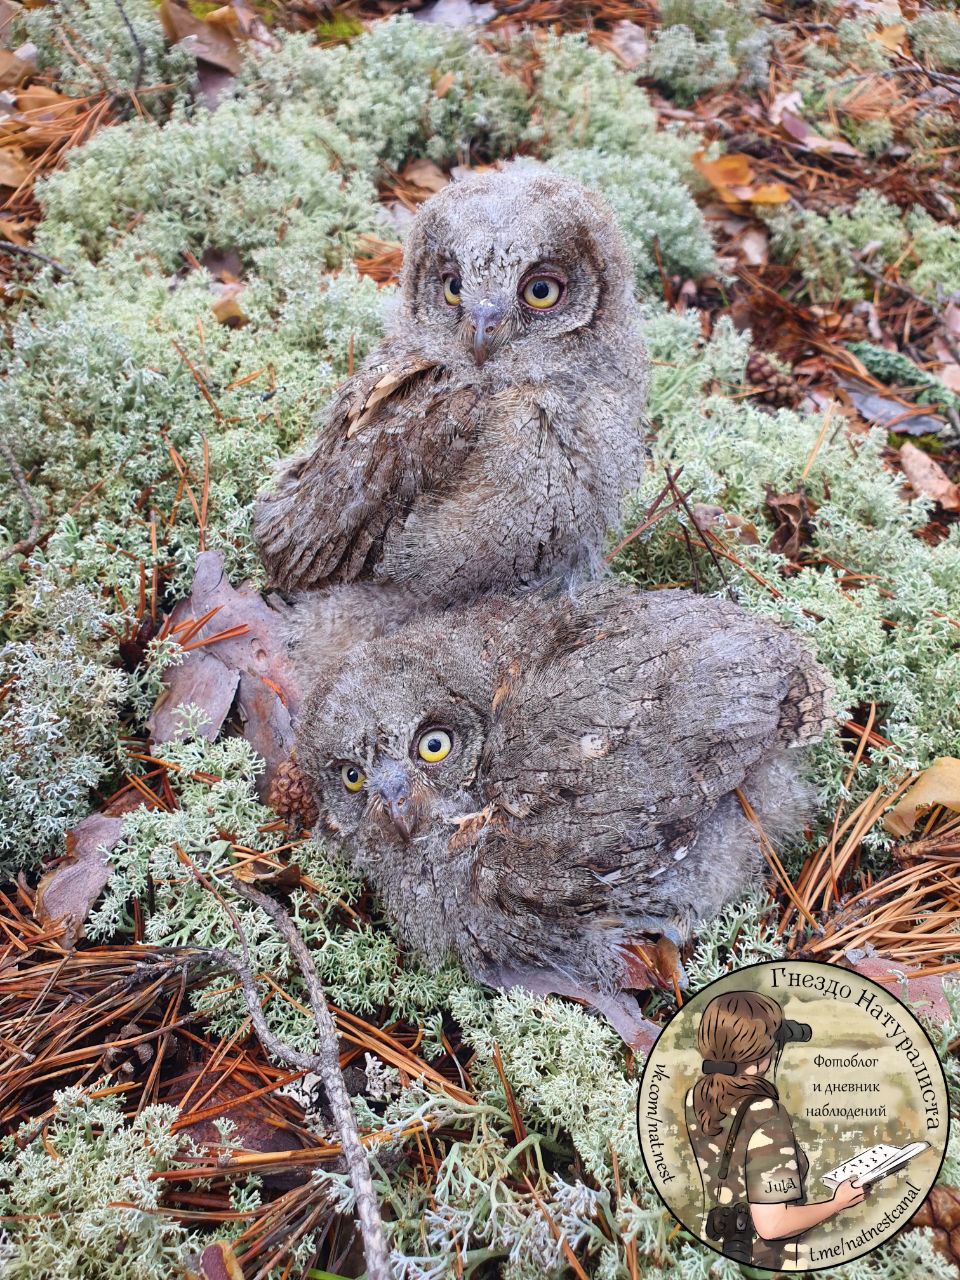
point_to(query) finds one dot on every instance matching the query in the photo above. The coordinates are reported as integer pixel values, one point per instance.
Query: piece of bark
(202, 681)
(67, 892)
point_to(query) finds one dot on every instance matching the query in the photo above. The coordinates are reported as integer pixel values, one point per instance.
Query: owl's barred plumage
(487, 444)
(598, 739)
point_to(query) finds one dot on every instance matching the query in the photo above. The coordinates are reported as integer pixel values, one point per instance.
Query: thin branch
(682, 500)
(141, 52)
(326, 1063)
(8, 246)
(25, 545)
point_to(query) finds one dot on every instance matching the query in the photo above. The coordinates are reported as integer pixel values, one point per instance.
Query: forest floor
(202, 214)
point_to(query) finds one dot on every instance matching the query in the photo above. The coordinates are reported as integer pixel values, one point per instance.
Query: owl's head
(513, 256)
(391, 747)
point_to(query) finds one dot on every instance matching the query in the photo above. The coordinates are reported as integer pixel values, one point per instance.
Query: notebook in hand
(874, 1163)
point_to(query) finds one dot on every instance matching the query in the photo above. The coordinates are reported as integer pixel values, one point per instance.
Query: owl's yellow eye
(451, 290)
(434, 745)
(352, 777)
(542, 292)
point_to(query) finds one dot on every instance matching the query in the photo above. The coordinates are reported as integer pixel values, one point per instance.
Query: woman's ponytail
(736, 1029)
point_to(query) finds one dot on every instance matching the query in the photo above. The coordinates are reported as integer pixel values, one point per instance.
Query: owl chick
(488, 442)
(535, 784)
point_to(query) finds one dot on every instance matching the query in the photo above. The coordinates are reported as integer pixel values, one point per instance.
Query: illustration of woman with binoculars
(752, 1169)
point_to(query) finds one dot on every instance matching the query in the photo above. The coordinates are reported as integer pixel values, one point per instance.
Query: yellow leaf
(770, 193)
(444, 84)
(938, 785)
(892, 38)
(727, 171)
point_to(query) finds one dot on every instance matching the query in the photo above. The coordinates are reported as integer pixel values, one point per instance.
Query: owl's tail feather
(807, 710)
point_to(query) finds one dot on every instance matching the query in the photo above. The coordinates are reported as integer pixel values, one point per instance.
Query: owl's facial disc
(491, 315)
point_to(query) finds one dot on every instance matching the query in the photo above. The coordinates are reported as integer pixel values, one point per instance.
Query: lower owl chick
(537, 784)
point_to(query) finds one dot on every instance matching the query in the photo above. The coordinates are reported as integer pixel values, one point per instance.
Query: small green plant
(936, 35)
(96, 46)
(705, 44)
(79, 1199)
(828, 249)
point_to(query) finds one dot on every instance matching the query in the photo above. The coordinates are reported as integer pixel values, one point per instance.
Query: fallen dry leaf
(790, 100)
(810, 140)
(949, 370)
(14, 170)
(937, 785)
(893, 38)
(731, 177)
(43, 103)
(219, 1262)
(253, 673)
(227, 306)
(13, 231)
(755, 246)
(767, 193)
(256, 872)
(444, 84)
(455, 13)
(67, 892)
(13, 69)
(726, 171)
(928, 477)
(426, 176)
(708, 516)
(793, 514)
(8, 11)
(925, 995)
(884, 411)
(628, 43)
(205, 40)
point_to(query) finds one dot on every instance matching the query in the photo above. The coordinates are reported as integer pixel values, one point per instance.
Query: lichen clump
(80, 1200)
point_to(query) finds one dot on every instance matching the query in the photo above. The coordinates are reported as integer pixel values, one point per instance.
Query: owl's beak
(391, 785)
(486, 327)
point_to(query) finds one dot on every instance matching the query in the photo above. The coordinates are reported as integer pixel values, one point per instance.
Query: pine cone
(290, 796)
(129, 1062)
(941, 1211)
(769, 384)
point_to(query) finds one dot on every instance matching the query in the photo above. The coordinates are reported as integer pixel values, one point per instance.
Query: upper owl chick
(534, 783)
(488, 442)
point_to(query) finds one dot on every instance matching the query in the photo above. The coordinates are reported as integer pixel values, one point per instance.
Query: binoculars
(793, 1033)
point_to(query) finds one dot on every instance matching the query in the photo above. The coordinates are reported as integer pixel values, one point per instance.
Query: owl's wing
(619, 735)
(395, 431)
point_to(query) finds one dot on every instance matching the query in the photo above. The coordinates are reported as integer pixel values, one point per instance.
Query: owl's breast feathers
(445, 482)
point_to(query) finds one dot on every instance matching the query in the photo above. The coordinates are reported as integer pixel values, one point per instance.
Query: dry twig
(25, 545)
(326, 1063)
